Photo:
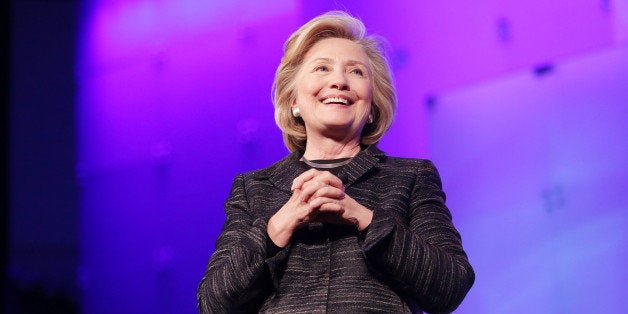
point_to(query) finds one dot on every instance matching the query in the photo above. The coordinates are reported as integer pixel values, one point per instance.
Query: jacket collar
(282, 173)
(361, 164)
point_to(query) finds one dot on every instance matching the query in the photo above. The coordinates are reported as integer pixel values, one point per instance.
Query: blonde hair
(334, 24)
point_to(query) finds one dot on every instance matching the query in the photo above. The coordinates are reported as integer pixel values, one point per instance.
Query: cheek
(363, 86)
(366, 92)
(307, 86)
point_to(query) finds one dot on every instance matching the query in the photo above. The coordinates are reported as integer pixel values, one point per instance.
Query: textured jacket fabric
(410, 258)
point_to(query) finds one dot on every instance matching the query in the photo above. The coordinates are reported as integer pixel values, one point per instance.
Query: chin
(337, 124)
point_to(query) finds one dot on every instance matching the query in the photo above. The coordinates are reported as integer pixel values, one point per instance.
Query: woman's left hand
(321, 190)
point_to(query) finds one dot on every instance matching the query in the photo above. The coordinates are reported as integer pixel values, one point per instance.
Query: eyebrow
(329, 60)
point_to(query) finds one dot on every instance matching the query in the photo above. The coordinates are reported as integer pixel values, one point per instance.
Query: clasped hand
(316, 196)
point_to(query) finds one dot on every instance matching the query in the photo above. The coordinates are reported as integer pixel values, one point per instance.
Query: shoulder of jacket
(259, 173)
(404, 162)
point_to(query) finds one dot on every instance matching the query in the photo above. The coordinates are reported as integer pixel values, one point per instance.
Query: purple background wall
(535, 171)
(174, 102)
(521, 106)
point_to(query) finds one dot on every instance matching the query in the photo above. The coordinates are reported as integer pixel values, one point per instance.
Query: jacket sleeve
(237, 278)
(423, 255)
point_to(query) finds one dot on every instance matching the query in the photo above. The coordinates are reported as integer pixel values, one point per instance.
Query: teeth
(335, 99)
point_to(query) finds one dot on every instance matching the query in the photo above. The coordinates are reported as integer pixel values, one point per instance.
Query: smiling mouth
(338, 101)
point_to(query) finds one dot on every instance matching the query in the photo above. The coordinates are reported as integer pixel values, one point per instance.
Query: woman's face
(334, 89)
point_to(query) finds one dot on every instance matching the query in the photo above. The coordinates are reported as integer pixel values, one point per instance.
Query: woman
(336, 225)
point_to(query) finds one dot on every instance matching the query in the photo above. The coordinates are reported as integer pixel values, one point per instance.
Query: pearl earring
(296, 112)
(370, 120)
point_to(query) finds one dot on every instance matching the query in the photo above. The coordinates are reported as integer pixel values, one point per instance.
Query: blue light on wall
(172, 100)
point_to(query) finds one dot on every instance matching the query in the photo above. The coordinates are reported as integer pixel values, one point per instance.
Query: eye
(321, 68)
(357, 71)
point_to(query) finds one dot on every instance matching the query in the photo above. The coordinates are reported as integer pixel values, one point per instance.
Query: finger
(309, 188)
(305, 213)
(296, 196)
(294, 214)
(297, 183)
(331, 207)
(329, 178)
(317, 175)
(315, 188)
(328, 191)
(326, 204)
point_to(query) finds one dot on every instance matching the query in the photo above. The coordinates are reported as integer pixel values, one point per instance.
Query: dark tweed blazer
(410, 259)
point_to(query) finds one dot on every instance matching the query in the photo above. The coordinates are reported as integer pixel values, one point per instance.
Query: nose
(339, 81)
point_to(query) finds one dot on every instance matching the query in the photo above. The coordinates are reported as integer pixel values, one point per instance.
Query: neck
(327, 148)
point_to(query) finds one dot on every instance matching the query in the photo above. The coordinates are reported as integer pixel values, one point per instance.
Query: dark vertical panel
(4, 191)
(43, 194)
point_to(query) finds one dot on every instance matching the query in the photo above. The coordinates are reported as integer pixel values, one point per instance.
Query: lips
(339, 100)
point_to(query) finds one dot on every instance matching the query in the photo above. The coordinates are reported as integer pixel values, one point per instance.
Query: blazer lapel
(361, 164)
(285, 171)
